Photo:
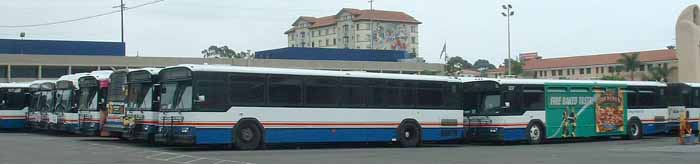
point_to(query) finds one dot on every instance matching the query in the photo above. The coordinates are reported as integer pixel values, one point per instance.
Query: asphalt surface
(46, 148)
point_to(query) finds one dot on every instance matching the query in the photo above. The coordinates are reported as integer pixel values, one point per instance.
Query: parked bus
(33, 114)
(47, 104)
(683, 97)
(537, 110)
(116, 103)
(143, 104)
(249, 107)
(14, 103)
(67, 103)
(92, 102)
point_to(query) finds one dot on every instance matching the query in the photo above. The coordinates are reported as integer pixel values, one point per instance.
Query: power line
(81, 18)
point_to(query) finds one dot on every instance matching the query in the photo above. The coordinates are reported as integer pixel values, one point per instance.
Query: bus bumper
(176, 135)
(495, 134)
(89, 128)
(143, 132)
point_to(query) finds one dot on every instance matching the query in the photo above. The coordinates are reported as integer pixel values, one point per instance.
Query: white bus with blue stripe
(92, 112)
(506, 110)
(684, 97)
(14, 103)
(64, 116)
(249, 107)
(142, 104)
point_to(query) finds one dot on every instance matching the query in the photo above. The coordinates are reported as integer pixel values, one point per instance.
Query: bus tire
(247, 135)
(634, 129)
(410, 134)
(535, 133)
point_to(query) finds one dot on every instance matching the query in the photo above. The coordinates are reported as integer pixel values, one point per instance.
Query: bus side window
(533, 99)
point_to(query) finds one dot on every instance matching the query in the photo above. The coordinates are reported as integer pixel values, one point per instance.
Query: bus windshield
(88, 99)
(177, 97)
(45, 101)
(483, 103)
(140, 97)
(63, 100)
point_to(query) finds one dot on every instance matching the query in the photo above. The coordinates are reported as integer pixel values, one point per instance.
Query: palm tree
(661, 73)
(630, 62)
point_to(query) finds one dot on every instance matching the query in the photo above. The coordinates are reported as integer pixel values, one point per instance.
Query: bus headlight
(160, 129)
(145, 128)
(493, 130)
(185, 130)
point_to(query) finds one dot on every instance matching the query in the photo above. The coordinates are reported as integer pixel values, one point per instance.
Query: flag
(444, 51)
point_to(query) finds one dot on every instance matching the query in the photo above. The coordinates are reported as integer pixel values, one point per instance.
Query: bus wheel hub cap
(247, 134)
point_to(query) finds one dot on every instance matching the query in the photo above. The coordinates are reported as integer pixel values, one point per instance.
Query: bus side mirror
(200, 99)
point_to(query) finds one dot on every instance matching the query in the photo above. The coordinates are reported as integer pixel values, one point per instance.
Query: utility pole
(121, 9)
(508, 13)
(371, 24)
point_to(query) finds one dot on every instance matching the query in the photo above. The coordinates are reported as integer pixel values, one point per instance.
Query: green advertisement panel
(577, 110)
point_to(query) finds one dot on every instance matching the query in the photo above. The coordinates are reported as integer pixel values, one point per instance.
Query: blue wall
(56, 47)
(298, 53)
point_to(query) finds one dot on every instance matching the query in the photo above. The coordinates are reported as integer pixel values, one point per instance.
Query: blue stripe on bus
(296, 135)
(12, 123)
(514, 134)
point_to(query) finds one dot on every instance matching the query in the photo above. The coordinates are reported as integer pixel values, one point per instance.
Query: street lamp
(508, 12)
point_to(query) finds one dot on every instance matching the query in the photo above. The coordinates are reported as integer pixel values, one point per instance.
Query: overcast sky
(472, 29)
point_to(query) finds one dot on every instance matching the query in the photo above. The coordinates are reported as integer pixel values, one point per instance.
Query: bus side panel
(12, 119)
(580, 114)
(653, 120)
(694, 117)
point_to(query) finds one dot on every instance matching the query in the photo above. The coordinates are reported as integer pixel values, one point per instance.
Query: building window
(327, 41)
(334, 41)
(325, 32)
(665, 65)
(611, 69)
(596, 70)
(554, 72)
(568, 72)
(303, 44)
(641, 67)
(313, 44)
(580, 71)
(413, 28)
(588, 70)
(25, 71)
(3, 71)
(303, 34)
(545, 73)
(561, 72)
(357, 27)
(413, 40)
(53, 71)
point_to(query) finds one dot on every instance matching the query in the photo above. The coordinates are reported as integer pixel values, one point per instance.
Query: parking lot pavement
(21, 148)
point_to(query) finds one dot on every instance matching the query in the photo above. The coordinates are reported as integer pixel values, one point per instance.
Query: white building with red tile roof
(599, 65)
(352, 28)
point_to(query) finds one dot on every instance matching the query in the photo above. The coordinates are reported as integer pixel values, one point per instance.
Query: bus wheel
(409, 134)
(634, 129)
(247, 136)
(535, 133)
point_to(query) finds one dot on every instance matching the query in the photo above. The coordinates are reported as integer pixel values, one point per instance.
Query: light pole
(371, 24)
(508, 12)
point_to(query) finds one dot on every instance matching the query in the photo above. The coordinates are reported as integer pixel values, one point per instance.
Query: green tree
(456, 64)
(481, 63)
(224, 52)
(429, 72)
(660, 73)
(612, 77)
(517, 67)
(630, 63)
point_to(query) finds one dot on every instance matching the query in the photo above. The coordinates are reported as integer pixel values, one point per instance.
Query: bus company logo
(609, 112)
